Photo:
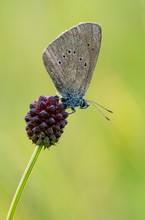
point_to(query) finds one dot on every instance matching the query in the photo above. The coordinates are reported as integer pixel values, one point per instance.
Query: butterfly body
(73, 102)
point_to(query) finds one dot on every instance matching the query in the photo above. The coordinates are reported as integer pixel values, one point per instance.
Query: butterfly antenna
(95, 103)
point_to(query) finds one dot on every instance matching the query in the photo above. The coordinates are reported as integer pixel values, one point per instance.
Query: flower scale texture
(46, 121)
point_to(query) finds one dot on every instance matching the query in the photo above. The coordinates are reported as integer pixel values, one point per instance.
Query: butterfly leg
(73, 110)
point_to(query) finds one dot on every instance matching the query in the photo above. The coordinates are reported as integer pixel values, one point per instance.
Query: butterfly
(70, 61)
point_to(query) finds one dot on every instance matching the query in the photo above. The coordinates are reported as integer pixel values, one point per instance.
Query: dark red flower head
(46, 120)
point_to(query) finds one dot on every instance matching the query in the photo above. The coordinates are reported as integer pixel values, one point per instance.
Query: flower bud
(46, 120)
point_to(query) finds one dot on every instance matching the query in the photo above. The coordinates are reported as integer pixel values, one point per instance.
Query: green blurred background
(97, 171)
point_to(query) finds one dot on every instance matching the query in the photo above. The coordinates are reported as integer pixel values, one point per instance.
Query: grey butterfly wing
(92, 34)
(71, 58)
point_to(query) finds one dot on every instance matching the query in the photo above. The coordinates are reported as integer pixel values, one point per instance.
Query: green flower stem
(23, 182)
